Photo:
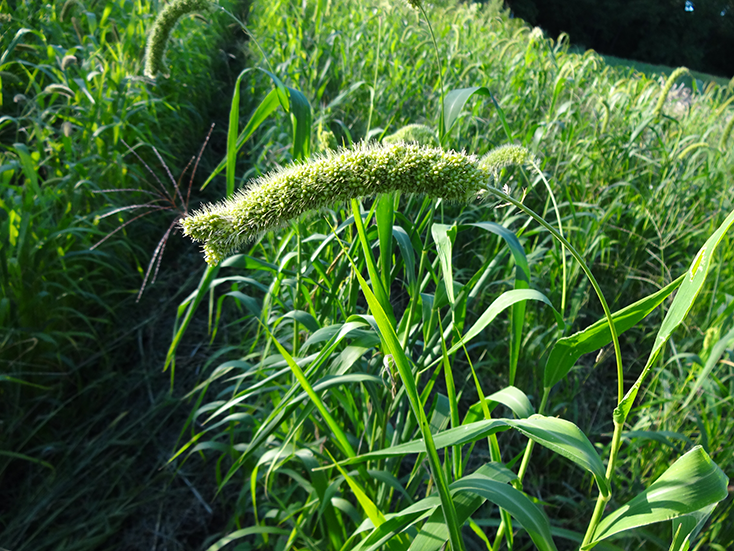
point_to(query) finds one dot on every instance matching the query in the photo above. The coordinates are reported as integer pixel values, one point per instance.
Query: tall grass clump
(73, 349)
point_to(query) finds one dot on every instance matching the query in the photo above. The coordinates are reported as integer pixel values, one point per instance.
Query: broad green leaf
(568, 350)
(434, 532)
(453, 104)
(566, 439)
(444, 237)
(690, 484)
(504, 301)
(682, 304)
(515, 502)
(512, 397)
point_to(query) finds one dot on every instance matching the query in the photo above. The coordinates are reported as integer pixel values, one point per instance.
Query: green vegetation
(394, 371)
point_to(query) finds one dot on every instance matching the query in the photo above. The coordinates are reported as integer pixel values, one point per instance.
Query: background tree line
(698, 34)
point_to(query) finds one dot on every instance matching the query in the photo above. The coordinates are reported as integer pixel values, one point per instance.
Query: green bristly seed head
(505, 156)
(162, 28)
(675, 75)
(325, 140)
(725, 135)
(413, 133)
(364, 170)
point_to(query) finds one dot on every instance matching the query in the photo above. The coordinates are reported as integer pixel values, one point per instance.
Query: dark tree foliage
(698, 34)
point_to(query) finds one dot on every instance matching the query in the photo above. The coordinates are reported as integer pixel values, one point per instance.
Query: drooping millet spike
(162, 27)
(675, 75)
(414, 133)
(505, 156)
(364, 170)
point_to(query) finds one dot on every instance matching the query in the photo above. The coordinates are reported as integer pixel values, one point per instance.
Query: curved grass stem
(441, 129)
(601, 500)
(597, 289)
(560, 230)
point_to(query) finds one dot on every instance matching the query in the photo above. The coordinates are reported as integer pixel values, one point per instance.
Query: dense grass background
(88, 416)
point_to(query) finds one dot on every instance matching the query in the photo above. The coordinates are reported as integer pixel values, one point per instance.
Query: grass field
(300, 364)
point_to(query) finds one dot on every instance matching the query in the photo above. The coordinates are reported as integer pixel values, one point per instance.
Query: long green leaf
(247, 532)
(567, 350)
(267, 106)
(566, 439)
(454, 104)
(682, 304)
(522, 281)
(510, 396)
(444, 237)
(407, 253)
(714, 357)
(434, 532)
(687, 527)
(392, 343)
(336, 429)
(302, 118)
(504, 301)
(385, 215)
(690, 484)
(529, 515)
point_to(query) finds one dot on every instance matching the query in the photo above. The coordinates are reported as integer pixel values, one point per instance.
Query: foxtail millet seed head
(164, 23)
(414, 133)
(505, 156)
(275, 199)
(675, 75)
(68, 61)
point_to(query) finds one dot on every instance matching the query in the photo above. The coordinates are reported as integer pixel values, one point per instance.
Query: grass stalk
(442, 92)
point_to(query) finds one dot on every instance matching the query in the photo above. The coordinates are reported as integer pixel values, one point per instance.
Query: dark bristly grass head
(164, 23)
(163, 199)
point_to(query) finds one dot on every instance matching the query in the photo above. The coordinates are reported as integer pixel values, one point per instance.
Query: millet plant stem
(374, 81)
(441, 129)
(616, 438)
(560, 230)
(387, 322)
